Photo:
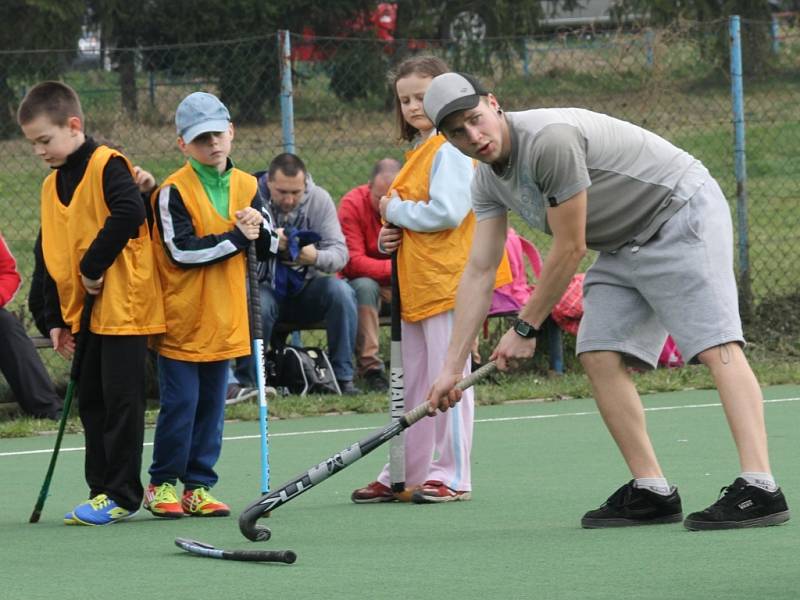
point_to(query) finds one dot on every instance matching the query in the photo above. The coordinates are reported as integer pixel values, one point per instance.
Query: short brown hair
(55, 99)
(425, 65)
(287, 163)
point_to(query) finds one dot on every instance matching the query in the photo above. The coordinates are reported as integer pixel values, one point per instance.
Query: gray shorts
(680, 281)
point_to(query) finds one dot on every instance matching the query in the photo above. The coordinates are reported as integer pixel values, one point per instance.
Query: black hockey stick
(337, 462)
(397, 448)
(201, 549)
(257, 337)
(80, 347)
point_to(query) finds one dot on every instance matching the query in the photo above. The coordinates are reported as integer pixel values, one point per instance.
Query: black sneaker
(237, 393)
(634, 506)
(348, 388)
(741, 505)
(376, 380)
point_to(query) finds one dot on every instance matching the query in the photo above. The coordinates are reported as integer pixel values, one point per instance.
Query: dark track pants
(111, 399)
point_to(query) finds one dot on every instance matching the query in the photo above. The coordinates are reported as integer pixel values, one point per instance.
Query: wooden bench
(552, 333)
(40, 342)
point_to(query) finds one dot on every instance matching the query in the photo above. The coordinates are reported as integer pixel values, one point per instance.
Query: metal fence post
(649, 37)
(525, 58)
(775, 34)
(151, 87)
(287, 104)
(287, 111)
(740, 167)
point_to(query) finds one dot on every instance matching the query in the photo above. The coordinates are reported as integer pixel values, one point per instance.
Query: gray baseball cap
(198, 113)
(449, 93)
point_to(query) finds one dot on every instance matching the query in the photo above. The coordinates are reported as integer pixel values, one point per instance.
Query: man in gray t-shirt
(663, 231)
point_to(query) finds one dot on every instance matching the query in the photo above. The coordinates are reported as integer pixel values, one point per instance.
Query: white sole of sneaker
(269, 393)
(419, 498)
(373, 500)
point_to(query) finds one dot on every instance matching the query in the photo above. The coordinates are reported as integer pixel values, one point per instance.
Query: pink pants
(436, 448)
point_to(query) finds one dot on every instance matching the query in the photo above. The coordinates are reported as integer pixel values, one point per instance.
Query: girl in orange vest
(430, 202)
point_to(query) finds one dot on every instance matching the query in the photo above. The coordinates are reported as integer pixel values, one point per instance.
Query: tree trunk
(127, 82)
(8, 121)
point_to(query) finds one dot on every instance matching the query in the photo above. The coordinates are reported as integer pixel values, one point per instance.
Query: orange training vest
(206, 307)
(430, 264)
(130, 300)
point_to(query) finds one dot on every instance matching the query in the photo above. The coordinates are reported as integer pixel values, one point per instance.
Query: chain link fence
(328, 100)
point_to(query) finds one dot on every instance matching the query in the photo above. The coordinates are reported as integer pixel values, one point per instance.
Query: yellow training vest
(206, 307)
(430, 264)
(130, 300)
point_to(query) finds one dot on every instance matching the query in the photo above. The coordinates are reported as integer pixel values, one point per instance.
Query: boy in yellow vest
(95, 239)
(206, 212)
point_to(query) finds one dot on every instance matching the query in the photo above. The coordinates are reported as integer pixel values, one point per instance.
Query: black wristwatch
(525, 329)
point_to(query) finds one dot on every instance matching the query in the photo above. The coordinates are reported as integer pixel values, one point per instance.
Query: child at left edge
(207, 212)
(95, 239)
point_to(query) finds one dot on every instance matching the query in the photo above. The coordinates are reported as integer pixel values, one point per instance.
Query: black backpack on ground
(294, 370)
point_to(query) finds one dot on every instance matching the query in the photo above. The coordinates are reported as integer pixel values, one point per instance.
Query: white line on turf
(350, 429)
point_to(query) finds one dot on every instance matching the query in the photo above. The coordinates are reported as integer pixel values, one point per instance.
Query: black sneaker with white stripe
(741, 505)
(630, 505)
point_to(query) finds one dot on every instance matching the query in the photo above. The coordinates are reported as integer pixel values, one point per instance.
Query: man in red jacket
(19, 361)
(369, 270)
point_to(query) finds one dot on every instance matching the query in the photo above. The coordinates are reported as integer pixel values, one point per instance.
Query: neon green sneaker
(200, 503)
(101, 510)
(162, 501)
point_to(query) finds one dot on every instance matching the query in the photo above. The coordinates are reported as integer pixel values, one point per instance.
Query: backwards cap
(449, 93)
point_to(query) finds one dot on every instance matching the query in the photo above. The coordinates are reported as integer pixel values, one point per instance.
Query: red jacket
(9, 278)
(361, 226)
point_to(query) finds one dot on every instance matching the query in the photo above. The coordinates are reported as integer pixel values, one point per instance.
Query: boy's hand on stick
(248, 220)
(63, 341)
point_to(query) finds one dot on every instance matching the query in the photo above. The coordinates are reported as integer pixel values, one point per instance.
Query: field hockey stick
(257, 337)
(337, 462)
(201, 549)
(397, 447)
(77, 358)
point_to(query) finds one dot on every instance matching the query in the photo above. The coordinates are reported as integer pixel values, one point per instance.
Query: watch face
(524, 329)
